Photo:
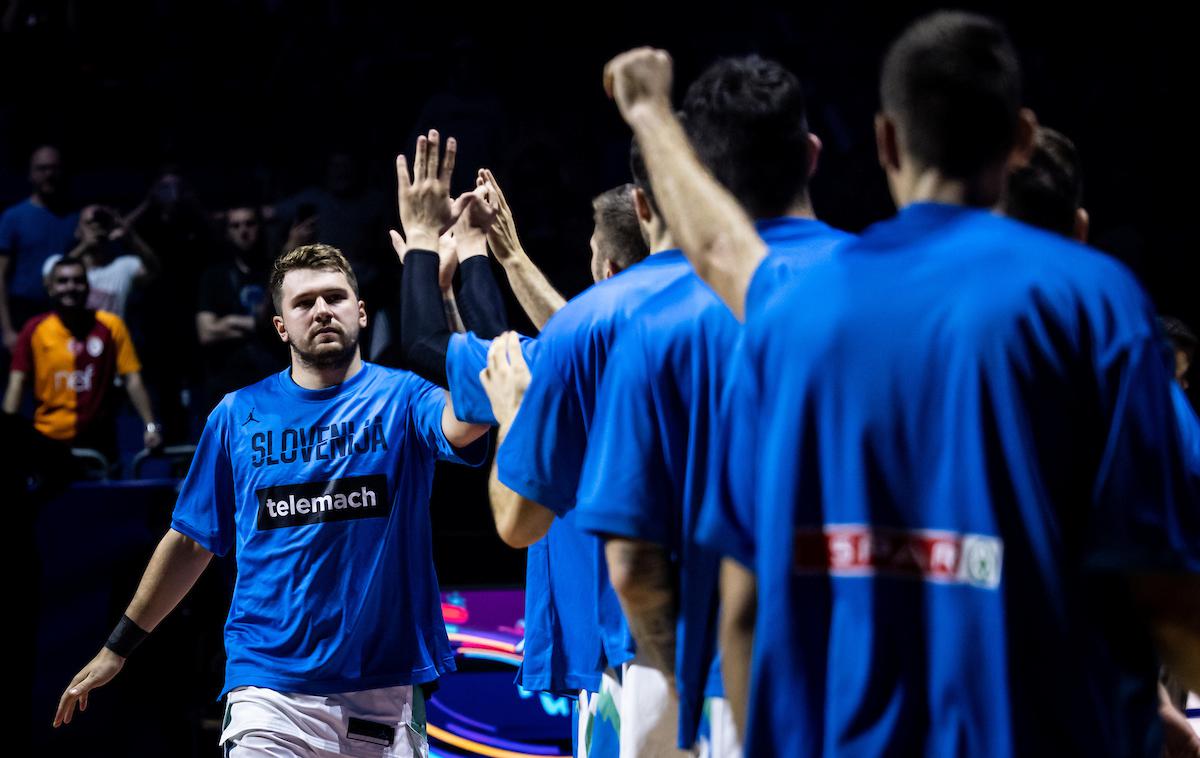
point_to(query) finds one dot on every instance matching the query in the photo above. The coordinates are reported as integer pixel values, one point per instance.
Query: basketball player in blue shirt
(321, 476)
(969, 518)
(562, 647)
(540, 458)
(647, 460)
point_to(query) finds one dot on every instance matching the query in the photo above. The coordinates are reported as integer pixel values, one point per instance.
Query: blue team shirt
(326, 493)
(542, 456)
(561, 648)
(29, 234)
(964, 437)
(466, 356)
(648, 462)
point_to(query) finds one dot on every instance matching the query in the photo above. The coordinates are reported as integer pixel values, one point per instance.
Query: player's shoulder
(1039, 261)
(616, 298)
(388, 379)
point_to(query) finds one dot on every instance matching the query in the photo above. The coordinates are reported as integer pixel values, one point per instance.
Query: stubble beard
(329, 358)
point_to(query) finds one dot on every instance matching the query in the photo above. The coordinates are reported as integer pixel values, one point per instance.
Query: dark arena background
(175, 112)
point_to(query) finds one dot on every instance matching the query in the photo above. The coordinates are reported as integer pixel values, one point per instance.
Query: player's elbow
(638, 572)
(517, 532)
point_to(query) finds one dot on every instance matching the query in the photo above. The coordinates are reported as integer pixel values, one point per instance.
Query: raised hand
(641, 76)
(426, 210)
(506, 377)
(502, 235)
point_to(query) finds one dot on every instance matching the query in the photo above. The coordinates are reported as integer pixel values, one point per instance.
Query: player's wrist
(125, 638)
(649, 111)
(423, 238)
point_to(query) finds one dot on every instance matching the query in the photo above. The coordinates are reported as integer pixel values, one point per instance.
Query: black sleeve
(424, 335)
(479, 301)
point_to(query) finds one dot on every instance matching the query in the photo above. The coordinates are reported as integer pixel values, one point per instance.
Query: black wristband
(125, 637)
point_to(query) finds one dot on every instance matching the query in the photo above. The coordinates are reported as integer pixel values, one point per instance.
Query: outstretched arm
(520, 522)
(537, 296)
(175, 566)
(705, 220)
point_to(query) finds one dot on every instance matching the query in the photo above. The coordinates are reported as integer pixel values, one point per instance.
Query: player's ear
(1083, 223)
(641, 205)
(814, 153)
(362, 315)
(280, 329)
(1026, 139)
(887, 144)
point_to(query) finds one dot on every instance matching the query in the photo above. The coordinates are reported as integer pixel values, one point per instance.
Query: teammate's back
(976, 426)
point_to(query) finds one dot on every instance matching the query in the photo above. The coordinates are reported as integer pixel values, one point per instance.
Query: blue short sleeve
(542, 456)
(466, 356)
(626, 487)
(426, 406)
(726, 523)
(205, 508)
(1146, 515)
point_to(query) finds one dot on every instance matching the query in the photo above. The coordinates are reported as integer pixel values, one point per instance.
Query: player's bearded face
(322, 317)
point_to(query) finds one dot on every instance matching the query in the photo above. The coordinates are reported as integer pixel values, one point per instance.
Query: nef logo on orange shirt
(79, 380)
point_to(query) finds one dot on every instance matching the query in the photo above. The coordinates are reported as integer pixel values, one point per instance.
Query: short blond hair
(323, 257)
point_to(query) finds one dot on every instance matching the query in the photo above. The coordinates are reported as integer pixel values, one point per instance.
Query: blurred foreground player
(544, 433)
(966, 469)
(321, 474)
(647, 467)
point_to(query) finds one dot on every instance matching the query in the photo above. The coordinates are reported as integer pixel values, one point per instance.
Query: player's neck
(313, 377)
(932, 186)
(801, 208)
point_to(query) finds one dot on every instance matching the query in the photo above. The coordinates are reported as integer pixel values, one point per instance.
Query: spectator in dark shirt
(233, 314)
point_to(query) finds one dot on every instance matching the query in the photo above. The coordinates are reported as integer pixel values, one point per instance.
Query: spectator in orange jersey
(74, 355)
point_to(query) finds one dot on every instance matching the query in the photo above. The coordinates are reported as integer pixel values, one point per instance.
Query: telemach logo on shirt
(354, 497)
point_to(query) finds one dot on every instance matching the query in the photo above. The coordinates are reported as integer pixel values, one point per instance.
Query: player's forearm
(519, 522)
(642, 576)
(454, 320)
(537, 296)
(175, 566)
(706, 221)
(139, 397)
(459, 433)
(739, 603)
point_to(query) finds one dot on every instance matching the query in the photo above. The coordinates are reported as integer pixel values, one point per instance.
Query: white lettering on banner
(936, 556)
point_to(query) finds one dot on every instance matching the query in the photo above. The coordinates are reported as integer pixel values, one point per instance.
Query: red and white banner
(934, 556)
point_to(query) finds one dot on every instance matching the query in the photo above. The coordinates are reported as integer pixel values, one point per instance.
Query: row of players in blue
(921, 480)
